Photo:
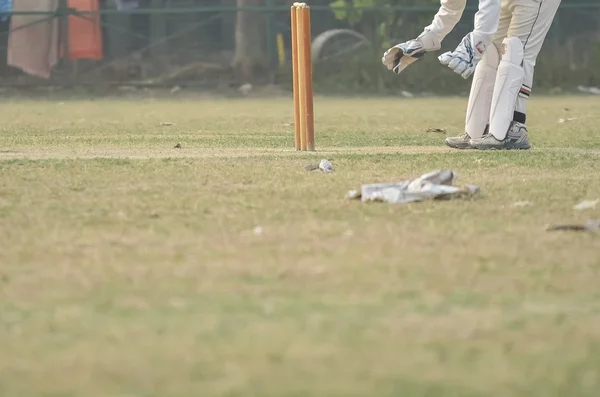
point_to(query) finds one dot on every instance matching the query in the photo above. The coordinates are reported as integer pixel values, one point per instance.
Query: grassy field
(131, 268)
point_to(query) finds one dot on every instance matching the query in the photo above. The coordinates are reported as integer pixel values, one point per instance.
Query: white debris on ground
(324, 165)
(561, 120)
(433, 185)
(522, 204)
(586, 204)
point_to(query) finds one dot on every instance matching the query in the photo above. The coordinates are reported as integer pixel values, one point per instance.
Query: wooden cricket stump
(304, 128)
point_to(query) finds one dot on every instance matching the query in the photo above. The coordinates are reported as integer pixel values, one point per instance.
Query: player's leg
(532, 46)
(480, 100)
(482, 87)
(505, 121)
(530, 23)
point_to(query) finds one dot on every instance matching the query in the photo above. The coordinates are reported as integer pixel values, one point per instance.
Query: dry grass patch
(129, 268)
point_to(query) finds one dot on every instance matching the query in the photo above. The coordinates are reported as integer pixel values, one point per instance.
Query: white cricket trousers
(529, 20)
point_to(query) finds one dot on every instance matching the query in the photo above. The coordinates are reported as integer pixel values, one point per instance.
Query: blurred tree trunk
(250, 58)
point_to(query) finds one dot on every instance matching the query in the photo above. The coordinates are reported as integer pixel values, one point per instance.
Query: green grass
(129, 268)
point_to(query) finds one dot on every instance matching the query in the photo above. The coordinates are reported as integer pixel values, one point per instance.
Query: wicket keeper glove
(465, 57)
(401, 55)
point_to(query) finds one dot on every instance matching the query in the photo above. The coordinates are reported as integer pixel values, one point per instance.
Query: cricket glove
(401, 55)
(465, 57)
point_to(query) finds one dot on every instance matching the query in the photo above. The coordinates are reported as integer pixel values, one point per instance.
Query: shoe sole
(482, 147)
(460, 146)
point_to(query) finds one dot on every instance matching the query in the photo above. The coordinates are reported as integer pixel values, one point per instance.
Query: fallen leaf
(441, 130)
(567, 227)
(591, 225)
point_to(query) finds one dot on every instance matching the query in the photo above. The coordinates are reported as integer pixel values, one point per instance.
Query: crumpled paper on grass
(433, 185)
(325, 166)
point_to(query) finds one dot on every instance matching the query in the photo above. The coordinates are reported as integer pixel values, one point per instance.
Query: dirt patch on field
(60, 153)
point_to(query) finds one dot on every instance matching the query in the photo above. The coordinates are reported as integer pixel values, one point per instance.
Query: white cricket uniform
(495, 21)
(486, 18)
(529, 20)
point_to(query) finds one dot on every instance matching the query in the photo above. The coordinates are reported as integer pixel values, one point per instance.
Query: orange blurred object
(85, 33)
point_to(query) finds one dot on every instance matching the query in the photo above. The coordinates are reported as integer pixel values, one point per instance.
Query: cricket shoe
(459, 142)
(516, 139)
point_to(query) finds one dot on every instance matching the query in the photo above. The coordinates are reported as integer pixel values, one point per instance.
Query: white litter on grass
(522, 204)
(258, 230)
(561, 120)
(586, 204)
(353, 194)
(433, 185)
(326, 166)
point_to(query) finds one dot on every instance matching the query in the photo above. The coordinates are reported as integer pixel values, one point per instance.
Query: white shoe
(516, 139)
(459, 142)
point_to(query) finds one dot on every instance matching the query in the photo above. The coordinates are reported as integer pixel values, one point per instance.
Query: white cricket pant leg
(528, 20)
(482, 91)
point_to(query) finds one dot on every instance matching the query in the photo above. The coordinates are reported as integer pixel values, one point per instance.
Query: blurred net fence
(195, 43)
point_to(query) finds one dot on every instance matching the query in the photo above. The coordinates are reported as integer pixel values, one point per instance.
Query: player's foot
(459, 142)
(516, 139)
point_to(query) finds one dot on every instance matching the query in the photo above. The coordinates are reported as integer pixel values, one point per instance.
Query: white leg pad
(509, 79)
(482, 90)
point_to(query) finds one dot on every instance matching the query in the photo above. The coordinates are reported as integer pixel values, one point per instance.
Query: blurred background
(224, 44)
